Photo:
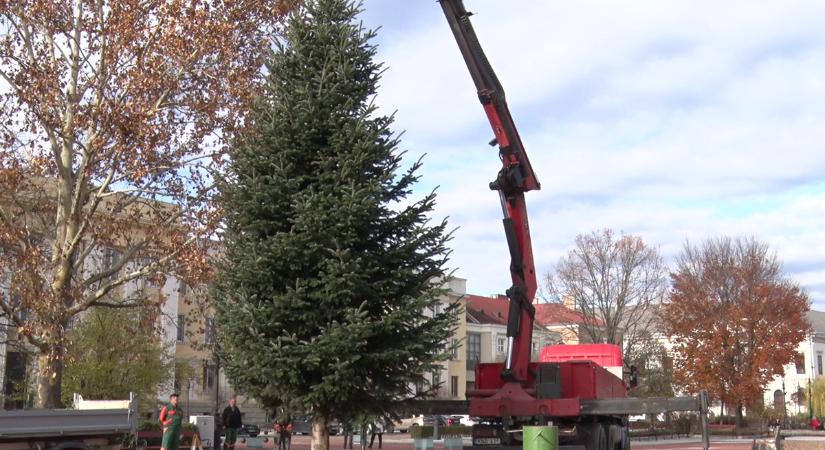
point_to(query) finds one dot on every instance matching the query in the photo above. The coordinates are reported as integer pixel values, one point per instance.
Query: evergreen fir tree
(326, 300)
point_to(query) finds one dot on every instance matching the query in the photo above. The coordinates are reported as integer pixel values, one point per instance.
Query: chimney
(569, 302)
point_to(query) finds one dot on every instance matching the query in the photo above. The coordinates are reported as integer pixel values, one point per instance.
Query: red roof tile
(556, 314)
(488, 310)
(494, 310)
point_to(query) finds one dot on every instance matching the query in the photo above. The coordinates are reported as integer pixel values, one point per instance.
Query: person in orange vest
(170, 418)
(279, 433)
(286, 442)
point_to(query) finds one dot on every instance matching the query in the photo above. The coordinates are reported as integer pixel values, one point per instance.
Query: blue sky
(671, 120)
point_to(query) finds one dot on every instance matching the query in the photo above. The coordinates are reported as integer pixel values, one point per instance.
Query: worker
(376, 429)
(231, 419)
(170, 418)
(347, 429)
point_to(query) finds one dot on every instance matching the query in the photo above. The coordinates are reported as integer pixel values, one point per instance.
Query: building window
(473, 349)
(208, 376)
(209, 331)
(799, 361)
(779, 400)
(148, 279)
(454, 386)
(454, 349)
(436, 380)
(501, 344)
(819, 363)
(111, 258)
(181, 327)
(182, 288)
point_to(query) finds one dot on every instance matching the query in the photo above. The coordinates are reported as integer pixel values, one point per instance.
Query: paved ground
(403, 442)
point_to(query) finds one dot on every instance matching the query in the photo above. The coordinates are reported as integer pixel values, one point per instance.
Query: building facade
(487, 333)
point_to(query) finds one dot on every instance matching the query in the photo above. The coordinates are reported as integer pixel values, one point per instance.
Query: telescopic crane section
(514, 179)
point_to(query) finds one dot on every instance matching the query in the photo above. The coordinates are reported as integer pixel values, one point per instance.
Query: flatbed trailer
(67, 429)
(592, 408)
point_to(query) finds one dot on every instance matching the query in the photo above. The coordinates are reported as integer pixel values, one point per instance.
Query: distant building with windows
(487, 333)
(791, 388)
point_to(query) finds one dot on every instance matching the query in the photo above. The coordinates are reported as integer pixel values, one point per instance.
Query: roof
(488, 310)
(556, 314)
(817, 320)
(495, 310)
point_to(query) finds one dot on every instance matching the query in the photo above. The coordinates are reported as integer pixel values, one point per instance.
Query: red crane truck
(564, 390)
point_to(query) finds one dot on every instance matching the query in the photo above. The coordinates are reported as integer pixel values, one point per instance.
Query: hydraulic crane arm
(514, 179)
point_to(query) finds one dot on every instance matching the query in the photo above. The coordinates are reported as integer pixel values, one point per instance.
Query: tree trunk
(50, 371)
(739, 416)
(320, 434)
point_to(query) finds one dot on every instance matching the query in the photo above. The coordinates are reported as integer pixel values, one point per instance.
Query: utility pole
(784, 405)
(218, 385)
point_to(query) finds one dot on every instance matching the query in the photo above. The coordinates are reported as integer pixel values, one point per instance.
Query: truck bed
(47, 423)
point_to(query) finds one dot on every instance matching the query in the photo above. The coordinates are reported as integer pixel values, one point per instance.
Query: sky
(672, 120)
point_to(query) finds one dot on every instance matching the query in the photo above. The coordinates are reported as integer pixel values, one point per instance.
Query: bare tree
(113, 116)
(614, 285)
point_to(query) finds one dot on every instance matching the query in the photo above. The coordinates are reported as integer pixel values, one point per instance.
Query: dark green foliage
(325, 298)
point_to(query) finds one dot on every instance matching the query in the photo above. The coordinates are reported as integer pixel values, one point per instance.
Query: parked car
(402, 425)
(249, 429)
(303, 425)
(430, 420)
(461, 420)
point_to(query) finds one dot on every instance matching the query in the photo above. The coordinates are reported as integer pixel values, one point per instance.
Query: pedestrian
(279, 432)
(285, 440)
(170, 418)
(231, 421)
(816, 423)
(376, 429)
(346, 428)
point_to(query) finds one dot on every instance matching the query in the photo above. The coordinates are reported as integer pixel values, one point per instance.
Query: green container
(453, 442)
(540, 438)
(425, 443)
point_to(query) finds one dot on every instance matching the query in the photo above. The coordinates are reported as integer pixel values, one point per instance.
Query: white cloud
(672, 120)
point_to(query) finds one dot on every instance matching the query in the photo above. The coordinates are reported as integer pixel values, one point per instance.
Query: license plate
(487, 441)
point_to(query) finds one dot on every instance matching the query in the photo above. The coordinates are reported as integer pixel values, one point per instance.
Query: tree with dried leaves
(613, 283)
(735, 320)
(113, 116)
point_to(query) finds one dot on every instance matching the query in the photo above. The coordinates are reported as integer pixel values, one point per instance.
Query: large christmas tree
(327, 298)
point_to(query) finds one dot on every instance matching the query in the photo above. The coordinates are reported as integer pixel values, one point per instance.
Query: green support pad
(541, 438)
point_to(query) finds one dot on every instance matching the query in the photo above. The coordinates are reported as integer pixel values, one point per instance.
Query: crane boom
(515, 177)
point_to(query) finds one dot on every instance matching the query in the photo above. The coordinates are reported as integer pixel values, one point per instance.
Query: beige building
(487, 333)
(451, 379)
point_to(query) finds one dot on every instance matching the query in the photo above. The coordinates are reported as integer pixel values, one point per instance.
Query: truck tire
(594, 437)
(625, 442)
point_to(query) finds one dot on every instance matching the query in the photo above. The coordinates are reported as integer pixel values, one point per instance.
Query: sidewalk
(394, 441)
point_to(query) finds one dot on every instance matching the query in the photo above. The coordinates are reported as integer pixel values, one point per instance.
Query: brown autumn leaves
(735, 318)
(114, 116)
(732, 316)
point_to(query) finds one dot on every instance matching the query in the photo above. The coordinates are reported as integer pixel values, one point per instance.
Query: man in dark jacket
(231, 419)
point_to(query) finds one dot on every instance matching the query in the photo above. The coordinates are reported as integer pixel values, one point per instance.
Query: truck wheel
(625, 442)
(595, 437)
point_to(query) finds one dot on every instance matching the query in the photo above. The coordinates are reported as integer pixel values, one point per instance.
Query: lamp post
(784, 405)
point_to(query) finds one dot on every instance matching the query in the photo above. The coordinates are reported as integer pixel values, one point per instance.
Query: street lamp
(784, 405)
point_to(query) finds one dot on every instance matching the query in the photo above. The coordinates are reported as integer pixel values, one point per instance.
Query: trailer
(103, 427)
